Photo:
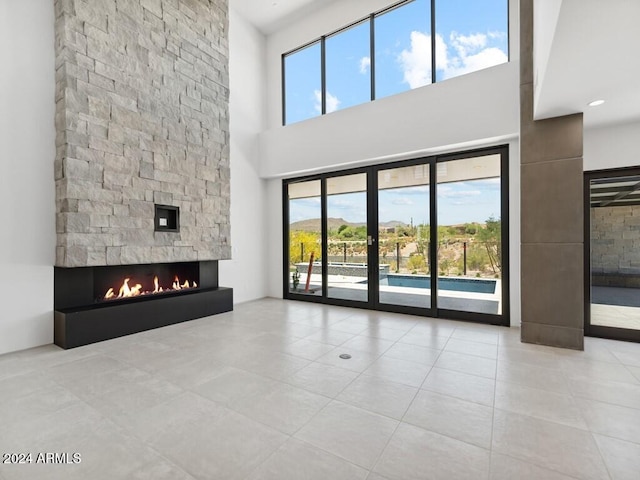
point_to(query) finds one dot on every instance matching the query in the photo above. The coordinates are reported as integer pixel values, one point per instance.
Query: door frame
(590, 330)
(372, 302)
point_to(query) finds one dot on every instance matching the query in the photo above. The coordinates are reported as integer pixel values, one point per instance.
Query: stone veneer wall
(615, 240)
(142, 117)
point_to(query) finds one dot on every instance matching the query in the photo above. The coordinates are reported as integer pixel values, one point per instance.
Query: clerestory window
(392, 51)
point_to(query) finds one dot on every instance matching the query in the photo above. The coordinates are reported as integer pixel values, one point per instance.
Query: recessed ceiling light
(595, 103)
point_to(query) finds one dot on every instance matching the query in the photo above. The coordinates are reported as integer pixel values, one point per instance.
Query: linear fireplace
(143, 173)
(98, 303)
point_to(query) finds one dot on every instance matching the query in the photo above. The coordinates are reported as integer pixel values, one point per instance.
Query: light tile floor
(260, 393)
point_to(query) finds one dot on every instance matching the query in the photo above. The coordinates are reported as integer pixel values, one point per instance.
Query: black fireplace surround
(82, 315)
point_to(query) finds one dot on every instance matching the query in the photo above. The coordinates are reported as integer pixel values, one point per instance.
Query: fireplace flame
(127, 290)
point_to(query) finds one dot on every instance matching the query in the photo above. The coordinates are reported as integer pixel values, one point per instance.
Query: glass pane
(347, 237)
(302, 81)
(305, 239)
(615, 243)
(403, 48)
(348, 72)
(469, 235)
(403, 236)
(470, 36)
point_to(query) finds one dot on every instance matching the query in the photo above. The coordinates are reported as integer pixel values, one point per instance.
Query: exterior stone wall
(615, 240)
(142, 90)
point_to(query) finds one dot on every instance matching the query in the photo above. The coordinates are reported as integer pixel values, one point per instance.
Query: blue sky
(459, 202)
(470, 35)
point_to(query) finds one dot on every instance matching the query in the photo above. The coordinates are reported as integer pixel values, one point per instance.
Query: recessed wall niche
(167, 218)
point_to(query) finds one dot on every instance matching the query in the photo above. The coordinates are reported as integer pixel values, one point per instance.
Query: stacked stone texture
(615, 240)
(142, 90)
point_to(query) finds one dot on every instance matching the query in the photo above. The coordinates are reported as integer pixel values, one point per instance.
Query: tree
(477, 257)
(471, 228)
(302, 244)
(445, 265)
(491, 237)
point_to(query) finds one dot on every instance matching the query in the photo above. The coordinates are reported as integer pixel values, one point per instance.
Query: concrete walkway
(615, 307)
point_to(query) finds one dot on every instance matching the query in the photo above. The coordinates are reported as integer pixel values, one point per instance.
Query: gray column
(552, 241)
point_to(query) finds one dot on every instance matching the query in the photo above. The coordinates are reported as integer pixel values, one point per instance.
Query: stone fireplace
(142, 124)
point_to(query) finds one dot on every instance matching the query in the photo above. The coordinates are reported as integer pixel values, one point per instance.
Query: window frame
(284, 83)
(355, 24)
(372, 68)
(373, 302)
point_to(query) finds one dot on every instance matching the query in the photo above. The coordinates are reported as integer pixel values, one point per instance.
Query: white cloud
(310, 202)
(403, 201)
(472, 54)
(468, 193)
(455, 191)
(467, 43)
(365, 63)
(441, 53)
(317, 94)
(341, 203)
(332, 102)
(497, 35)
(461, 54)
(416, 62)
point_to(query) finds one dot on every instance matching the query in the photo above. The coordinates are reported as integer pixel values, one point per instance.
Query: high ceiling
(269, 15)
(591, 54)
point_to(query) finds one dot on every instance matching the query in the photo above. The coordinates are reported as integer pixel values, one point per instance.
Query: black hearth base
(75, 327)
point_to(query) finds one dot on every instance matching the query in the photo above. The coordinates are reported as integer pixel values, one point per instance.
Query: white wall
(545, 20)
(481, 108)
(476, 109)
(612, 146)
(246, 272)
(274, 239)
(27, 192)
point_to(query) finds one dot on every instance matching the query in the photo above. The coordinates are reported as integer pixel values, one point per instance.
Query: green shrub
(416, 262)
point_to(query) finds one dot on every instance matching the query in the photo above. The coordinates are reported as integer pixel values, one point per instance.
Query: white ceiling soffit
(592, 53)
(270, 15)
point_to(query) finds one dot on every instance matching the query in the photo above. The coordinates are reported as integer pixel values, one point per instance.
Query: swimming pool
(476, 285)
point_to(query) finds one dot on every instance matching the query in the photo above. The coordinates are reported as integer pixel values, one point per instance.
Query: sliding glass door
(347, 249)
(612, 258)
(404, 219)
(304, 246)
(469, 235)
(426, 236)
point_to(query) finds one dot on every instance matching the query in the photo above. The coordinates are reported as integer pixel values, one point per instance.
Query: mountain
(393, 223)
(313, 225)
